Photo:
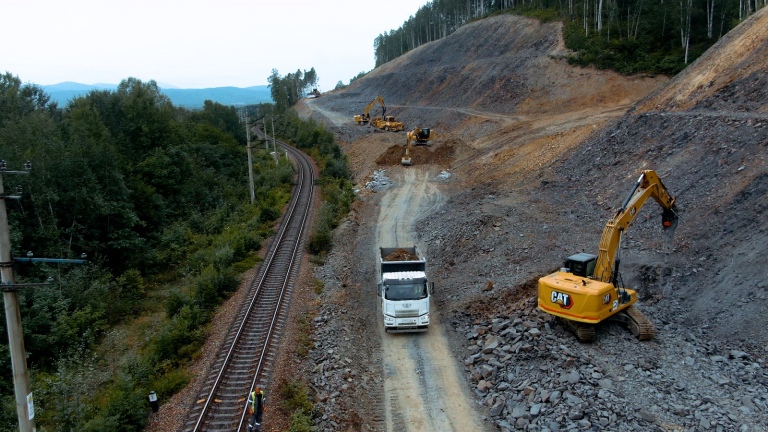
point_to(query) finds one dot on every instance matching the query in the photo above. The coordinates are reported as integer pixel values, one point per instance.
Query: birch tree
(710, 17)
(685, 25)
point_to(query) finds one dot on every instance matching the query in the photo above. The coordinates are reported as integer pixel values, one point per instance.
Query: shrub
(296, 400)
(295, 396)
(321, 240)
(168, 384)
(300, 422)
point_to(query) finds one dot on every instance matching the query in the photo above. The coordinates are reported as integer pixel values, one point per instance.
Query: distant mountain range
(187, 98)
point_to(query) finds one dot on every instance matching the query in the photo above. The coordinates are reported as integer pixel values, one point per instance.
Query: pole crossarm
(14, 287)
(52, 260)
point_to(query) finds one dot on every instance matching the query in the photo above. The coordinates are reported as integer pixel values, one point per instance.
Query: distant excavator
(365, 116)
(416, 136)
(588, 289)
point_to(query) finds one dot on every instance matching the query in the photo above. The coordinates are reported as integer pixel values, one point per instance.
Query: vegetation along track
(246, 356)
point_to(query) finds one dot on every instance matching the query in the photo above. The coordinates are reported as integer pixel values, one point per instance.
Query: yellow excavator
(416, 136)
(588, 289)
(365, 116)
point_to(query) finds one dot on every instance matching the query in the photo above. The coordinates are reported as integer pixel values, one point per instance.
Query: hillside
(533, 127)
(534, 157)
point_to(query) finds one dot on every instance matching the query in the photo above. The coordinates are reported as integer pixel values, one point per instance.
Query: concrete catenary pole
(24, 403)
(250, 160)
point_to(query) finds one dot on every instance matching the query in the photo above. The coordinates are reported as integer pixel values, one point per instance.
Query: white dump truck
(404, 290)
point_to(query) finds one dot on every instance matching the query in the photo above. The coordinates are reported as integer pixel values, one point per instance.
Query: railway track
(247, 355)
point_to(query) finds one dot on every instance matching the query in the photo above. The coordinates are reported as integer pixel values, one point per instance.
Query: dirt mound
(506, 302)
(441, 155)
(701, 134)
(401, 255)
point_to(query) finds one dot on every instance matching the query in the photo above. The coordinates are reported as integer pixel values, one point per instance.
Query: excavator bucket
(669, 219)
(406, 160)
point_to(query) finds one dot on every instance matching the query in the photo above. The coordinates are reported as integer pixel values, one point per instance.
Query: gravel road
(424, 390)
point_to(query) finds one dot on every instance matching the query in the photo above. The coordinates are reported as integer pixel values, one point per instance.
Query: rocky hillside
(542, 154)
(533, 155)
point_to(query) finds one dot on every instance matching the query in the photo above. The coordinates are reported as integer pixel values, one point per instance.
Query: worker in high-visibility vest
(256, 408)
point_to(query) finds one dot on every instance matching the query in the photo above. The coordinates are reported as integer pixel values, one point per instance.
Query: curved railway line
(246, 357)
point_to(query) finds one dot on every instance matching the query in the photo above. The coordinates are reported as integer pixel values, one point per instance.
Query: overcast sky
(193, 43)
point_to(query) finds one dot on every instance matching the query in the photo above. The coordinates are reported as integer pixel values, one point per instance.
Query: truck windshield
(406, 292)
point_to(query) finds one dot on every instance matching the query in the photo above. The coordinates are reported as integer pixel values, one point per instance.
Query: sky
(193, 43)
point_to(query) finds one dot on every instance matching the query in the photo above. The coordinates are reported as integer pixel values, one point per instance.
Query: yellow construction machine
(589, 289)
(365, 116)
(387, 123)
(416, 136)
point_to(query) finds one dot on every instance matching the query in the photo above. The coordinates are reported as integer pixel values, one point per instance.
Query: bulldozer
(416, 136)
(588, 289)
(365, 117)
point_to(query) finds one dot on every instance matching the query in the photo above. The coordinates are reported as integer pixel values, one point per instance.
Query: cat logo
(607, 298)
(564, 300)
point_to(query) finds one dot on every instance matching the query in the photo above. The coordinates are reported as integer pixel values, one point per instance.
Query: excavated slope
(535, 157)
(706, 132)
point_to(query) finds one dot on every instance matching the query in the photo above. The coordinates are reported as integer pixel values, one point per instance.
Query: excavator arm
(365, 116)
(649, 185)
(378, 99)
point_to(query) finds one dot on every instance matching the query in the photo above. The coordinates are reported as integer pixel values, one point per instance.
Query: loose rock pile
(345, 371)
(379, 181)
(532, 374)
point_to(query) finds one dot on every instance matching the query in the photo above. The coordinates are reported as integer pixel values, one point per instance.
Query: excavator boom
(365, 117)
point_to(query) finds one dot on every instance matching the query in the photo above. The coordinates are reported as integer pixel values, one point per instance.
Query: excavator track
(638, 323)
(585, 332)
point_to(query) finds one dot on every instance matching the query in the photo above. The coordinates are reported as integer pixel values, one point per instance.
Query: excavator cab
(423, 135)
(581, 264)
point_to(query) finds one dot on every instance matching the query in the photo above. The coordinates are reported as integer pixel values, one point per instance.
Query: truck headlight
(424, 318)
(389, 319)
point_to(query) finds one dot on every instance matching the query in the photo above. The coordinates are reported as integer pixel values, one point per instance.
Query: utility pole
(25, 407)
(250, 160)
(274, 144)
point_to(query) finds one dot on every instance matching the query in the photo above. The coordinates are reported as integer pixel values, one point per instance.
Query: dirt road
(423, 384)
(336, 119)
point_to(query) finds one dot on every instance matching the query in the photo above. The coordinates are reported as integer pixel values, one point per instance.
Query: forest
(629, 36)
(157, 197)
